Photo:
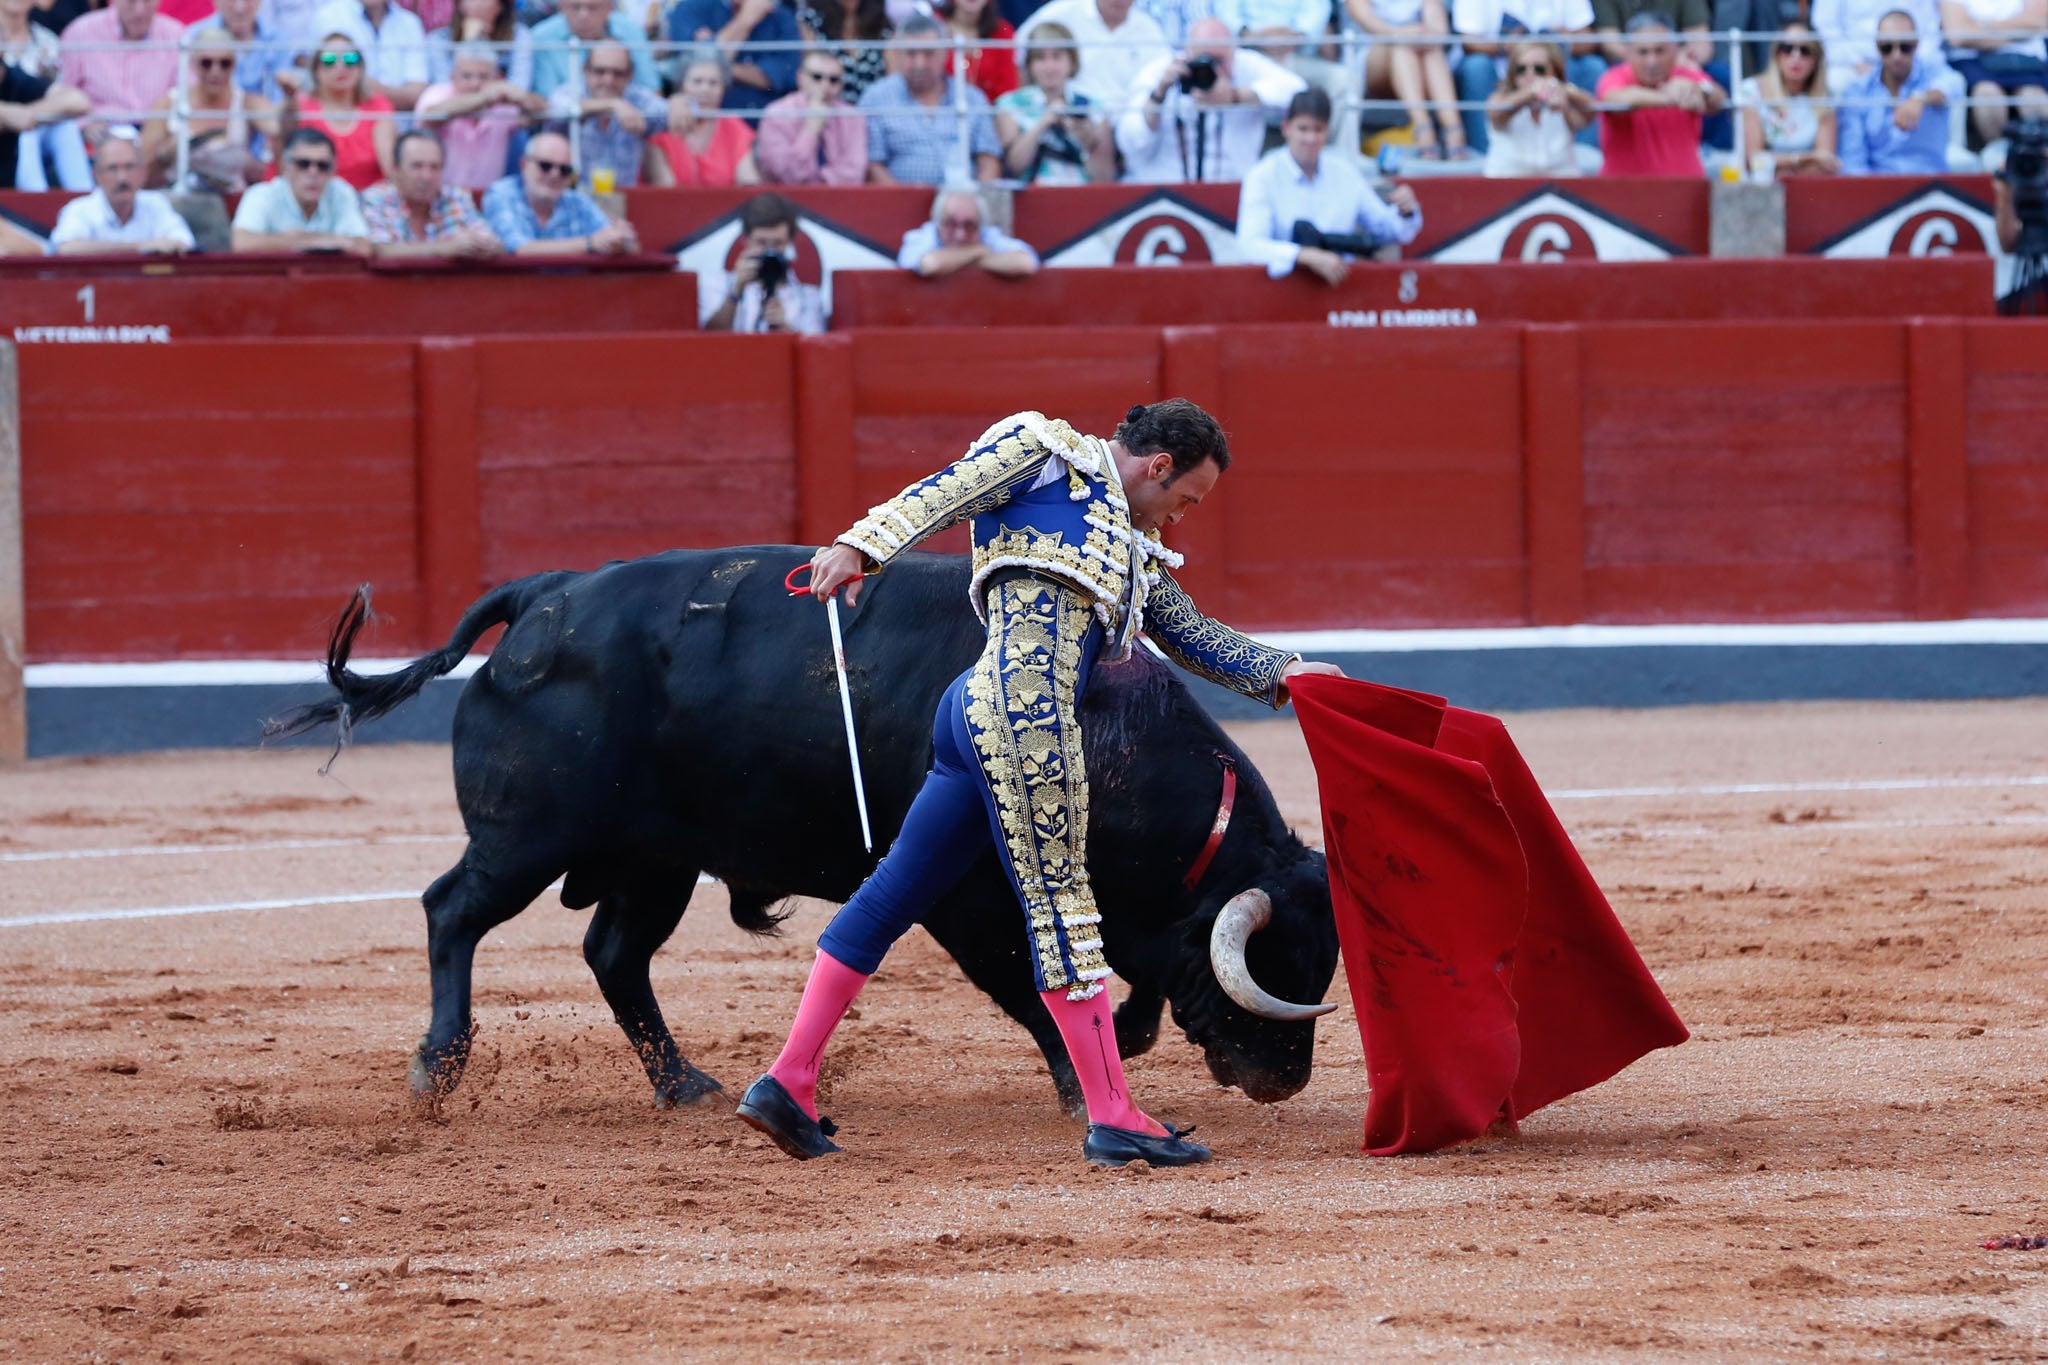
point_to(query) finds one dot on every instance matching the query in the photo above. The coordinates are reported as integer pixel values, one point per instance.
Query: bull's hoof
(436, 1071)
(692, 1090)
(1068, 1087)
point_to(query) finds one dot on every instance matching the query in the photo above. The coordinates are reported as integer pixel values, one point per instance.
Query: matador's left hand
(1301, 666)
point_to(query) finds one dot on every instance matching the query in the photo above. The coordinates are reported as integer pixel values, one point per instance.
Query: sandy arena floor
(208, 1150)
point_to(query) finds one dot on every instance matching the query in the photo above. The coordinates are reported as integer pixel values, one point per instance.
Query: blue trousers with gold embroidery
(1007, 774)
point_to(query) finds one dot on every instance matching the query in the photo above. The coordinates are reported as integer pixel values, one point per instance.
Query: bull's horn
(1246, 913)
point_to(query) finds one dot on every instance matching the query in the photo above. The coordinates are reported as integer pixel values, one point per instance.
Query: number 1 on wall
(87, 297)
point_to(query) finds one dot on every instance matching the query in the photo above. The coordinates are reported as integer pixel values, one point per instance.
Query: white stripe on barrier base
(214, 672)
(1835, 634)
(1315, 643)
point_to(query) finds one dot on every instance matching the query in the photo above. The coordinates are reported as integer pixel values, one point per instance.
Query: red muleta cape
(1489, 974)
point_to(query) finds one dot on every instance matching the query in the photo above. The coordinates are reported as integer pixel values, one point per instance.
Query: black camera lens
(772, 271)
(1201, 75)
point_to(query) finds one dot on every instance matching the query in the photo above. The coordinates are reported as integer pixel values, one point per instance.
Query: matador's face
(1160, 498)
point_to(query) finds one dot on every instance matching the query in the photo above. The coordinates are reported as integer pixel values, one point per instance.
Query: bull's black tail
(356, 698)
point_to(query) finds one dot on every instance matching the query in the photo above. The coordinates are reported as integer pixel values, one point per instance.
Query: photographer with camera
(1301, 209)
(762, 293)
(1202, 115)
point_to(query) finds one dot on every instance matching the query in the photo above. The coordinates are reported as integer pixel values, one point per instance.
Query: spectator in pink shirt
(1655, 130)
(813, 136)
(125, 59)
(475, 113)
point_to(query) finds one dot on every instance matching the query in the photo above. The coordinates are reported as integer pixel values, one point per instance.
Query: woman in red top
(363, 131)
(700, 148)
(991, 44)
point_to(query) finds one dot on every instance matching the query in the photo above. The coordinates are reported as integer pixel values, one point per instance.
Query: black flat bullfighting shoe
(771, 1109)
(1107, 1146)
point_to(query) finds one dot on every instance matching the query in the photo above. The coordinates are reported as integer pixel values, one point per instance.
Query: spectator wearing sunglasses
(586, 21)
(124, 58)
(1534, 115)
(1786, 114)
(539, 212)
(340, 107)
(1895, 118)
(119, 215)
(1487, 29)
(609, 117)
(1847, 30)
(307, 208)
(813, 137)
(263, 54)
(392, 40)
(219, 124)
(361, 125)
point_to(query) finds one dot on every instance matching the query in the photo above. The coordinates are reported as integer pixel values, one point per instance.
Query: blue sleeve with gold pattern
(1005, 459)
(1209, 649)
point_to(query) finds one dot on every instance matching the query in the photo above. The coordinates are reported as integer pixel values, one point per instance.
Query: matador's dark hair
(1179, 428)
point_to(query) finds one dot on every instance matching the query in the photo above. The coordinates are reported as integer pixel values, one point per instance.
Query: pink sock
(1090, 1034)
(832, 987)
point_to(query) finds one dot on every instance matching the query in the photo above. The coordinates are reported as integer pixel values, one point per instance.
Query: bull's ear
(1242, 916)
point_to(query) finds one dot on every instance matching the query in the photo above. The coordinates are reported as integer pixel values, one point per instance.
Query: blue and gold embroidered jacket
(1044, 497)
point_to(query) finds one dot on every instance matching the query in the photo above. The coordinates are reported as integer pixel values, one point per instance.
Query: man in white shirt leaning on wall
(1297, 184)
(120, 215)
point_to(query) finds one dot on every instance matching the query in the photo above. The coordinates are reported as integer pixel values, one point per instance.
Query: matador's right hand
(835, 566)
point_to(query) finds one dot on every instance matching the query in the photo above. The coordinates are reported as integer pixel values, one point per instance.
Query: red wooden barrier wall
(1408, 294)
(2005, 498)
(211, 296)
(213, 499)
(220, 498)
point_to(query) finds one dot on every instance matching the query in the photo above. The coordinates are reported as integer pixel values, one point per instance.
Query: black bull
(664, 717)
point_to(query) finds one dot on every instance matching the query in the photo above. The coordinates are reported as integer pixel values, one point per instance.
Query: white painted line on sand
(217, 908)
(1626, 832)
(227, 907)
(1887, 784)
(57, 855)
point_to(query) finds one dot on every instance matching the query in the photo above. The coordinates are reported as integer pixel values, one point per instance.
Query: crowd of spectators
(472, 128)
(721, 92)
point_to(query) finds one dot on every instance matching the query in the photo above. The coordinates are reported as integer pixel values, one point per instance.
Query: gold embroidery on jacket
(1021, 708)
(1212, 650)
(983, 479)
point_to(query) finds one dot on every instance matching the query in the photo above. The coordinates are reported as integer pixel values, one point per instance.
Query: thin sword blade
(860, 790)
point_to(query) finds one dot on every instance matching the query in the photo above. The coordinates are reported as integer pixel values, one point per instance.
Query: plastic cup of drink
(603, 179)
(1763, 168)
